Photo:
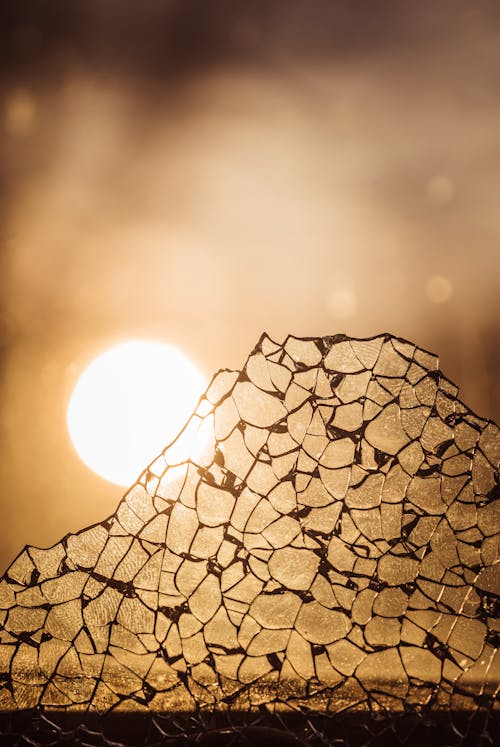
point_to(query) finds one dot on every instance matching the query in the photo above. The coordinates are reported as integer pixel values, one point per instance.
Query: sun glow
(128, 404)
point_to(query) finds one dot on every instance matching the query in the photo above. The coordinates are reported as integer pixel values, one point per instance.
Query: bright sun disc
(128, 404)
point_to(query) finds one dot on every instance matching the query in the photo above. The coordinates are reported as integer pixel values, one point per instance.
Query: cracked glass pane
(321, 567)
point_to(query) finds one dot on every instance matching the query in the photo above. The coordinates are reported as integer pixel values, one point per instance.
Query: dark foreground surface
(351, 730)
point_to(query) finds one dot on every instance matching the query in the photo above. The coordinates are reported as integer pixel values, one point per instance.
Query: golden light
(299, 549)
(128, 404)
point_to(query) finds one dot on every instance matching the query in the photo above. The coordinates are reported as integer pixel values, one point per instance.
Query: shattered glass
(313, 560)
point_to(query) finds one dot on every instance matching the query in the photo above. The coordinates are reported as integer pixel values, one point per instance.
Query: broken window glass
(315, 556)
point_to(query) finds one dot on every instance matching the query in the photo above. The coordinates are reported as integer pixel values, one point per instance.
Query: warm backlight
(128, 404)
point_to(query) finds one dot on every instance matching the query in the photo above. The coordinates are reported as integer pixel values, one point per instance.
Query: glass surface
(322, 564)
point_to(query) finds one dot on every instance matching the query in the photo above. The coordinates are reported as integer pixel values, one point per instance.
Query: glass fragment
(324, 566)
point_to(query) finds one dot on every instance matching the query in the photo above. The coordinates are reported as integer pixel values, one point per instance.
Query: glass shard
(323, 565)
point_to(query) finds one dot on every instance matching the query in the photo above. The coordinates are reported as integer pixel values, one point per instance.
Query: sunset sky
(199, 172)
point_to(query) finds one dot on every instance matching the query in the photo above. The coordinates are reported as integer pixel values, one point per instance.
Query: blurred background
(199, 172)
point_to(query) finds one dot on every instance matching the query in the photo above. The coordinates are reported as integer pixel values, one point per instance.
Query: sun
(128, 404)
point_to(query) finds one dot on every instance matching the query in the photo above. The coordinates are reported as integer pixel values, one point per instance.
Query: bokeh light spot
(342, 302)
(438, 289)
(440, 189)
(20, 113)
